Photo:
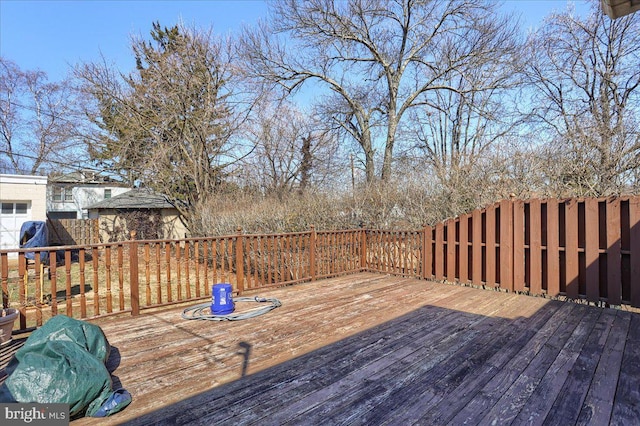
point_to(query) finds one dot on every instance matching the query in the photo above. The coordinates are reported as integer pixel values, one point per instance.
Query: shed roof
(134, 199)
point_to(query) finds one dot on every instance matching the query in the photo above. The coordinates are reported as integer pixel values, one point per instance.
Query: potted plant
(7, 318)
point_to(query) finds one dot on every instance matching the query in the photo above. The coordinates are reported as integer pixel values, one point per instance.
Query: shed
(150, 214)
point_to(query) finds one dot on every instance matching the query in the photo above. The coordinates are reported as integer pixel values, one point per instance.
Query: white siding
(22, 198)
(83, 197)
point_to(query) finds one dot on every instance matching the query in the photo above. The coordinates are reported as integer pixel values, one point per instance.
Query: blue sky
(52, 35)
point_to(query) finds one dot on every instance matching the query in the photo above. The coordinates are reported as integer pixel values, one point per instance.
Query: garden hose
(199, 312)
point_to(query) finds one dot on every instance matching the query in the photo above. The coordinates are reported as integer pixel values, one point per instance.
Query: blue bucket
(221, 301)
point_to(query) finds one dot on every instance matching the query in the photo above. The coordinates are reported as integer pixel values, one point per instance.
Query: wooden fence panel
(581, 248)
(73, 231)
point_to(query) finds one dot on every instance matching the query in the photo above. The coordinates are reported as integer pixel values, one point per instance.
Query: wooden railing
(96, 280)
(577, 248)
(395, 252)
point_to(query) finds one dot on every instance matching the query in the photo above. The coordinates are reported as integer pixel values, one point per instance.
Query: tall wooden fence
(575, 248)
(73, 231)
(580, 248)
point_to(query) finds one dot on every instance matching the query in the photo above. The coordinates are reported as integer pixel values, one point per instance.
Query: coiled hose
(198, 312)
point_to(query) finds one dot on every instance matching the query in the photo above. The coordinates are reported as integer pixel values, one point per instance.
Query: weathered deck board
(487, 397)
(598, 403)
(374, 349)
(504, 348)
(626, 407)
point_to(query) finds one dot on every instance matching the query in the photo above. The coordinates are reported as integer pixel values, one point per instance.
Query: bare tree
(378, 58)
(293, 151)
(457, 129)
(37, 122)
(585, 76)
(171, 125)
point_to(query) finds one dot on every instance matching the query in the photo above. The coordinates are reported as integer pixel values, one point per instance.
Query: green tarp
(64, 362)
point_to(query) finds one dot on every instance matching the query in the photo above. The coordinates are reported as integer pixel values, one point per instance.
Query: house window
(62, 194)
(107, 194)
(14, 208)
(7, 208)
(57, 193)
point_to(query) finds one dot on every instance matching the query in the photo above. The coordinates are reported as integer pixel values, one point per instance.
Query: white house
(23, 198)
(69, 195)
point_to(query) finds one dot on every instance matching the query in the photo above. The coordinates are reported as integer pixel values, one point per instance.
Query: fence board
(476, 249)
(571, 248)
(439, 252)
(518, 246)
(463, 249)
(553, 244)
(614, 277)
(506, 245)
(427, 252)
(451, 251)
(592, 249)
(490, 245)
(634, 248)
(535, 247)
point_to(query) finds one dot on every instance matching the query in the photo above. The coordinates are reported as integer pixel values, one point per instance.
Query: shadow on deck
(371, 349)
(438, 366)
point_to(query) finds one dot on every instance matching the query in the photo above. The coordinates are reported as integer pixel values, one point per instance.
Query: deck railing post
(240, 260)
(363, 249)
(427, 272)
(133, 275)
(4, 279)
(312, 253)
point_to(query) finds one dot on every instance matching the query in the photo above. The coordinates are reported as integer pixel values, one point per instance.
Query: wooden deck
(375, 349)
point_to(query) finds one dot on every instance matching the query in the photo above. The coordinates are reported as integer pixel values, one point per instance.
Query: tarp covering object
(64, 362)
(34, 234)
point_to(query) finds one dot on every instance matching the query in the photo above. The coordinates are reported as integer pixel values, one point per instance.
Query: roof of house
(134, 199)
(85, 178)
(25, 179)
